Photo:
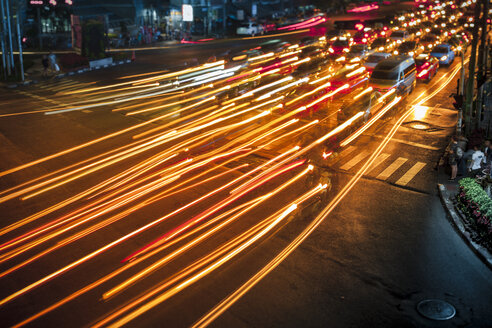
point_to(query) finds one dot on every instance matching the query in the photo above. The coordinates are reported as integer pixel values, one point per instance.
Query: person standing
(52, 58)
(478, 158)
(454, 156)
(46, 63)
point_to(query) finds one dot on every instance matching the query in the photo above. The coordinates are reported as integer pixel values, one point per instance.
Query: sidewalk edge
(455, 218)
(62, 75)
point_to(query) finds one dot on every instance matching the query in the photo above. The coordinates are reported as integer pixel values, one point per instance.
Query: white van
(400, 36)
(397, 72)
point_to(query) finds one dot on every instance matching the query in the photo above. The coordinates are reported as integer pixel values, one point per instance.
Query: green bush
(476, 205)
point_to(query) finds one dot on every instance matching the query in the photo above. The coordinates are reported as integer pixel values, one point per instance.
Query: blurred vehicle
(367, 103)
(410, 48)
(332, 35)
(383, 44)
(458, 44)
(241, 58)
(400, 36)
(373, 59)
(444, 53)
(315, 64)
(249, 29)
(414, 31)
(358, 50)
(426, 66)
(398, 72)
(310, 51)
(355, 78)
(429, 41)
(363, 37)
(340, 46)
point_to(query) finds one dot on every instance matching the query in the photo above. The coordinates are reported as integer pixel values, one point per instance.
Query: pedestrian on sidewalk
(52, 59)
(46, 63)
(478, 159)
(455, 153)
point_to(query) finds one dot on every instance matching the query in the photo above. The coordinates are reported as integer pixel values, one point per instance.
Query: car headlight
(411, 53)
(364, 40)
(459, 48)
(444, 57)
(381, 48)
(331, 50)
(346, 49)
(398, 41)
(429, 46)
(395, 52)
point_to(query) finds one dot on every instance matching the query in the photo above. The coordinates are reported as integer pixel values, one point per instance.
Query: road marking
(411, 143)
(410, 174)
(347, 166)
(55, 83)
(381, 158)
(51, 101)
(391, 169)
(344, 153)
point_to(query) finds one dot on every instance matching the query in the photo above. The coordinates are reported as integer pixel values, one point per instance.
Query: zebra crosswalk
(64, 85)
(386, 167)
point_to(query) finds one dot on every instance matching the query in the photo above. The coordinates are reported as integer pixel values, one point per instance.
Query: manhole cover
(436, 309)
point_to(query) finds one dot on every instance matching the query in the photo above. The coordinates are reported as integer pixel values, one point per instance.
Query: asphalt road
(383, 247)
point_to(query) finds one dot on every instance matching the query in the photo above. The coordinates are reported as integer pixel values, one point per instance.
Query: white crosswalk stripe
(356, 159)
(380, 159)
(410, 174)
(388, 171)
(383, 167)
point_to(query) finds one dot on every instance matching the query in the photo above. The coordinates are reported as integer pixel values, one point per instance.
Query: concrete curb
(62, 75)
(457, 220)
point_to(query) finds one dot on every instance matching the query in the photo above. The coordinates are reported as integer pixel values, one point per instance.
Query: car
(429, 41)
(355, 78)
(332, 35)
(426, 66)
(249, 29)
(373, 59)
(340, 46)
(444, 53)
(367, 103)
(400, 36)
(382, 45)
(358, 50)
(410, 48)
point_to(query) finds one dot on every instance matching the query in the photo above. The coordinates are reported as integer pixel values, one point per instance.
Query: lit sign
(187, 13)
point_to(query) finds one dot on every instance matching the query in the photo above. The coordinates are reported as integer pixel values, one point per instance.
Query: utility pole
(483, 40)
(11, 49)
(40, 28)
(471, 72)
(21, 61)
(5, 53)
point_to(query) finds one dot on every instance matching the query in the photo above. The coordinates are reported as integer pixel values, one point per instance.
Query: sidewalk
(448, 190)
(34, 74)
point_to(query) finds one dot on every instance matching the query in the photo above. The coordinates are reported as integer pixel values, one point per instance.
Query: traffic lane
(369, 264)
(87, 308)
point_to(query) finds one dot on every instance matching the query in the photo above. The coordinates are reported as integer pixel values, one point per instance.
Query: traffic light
(458, 101)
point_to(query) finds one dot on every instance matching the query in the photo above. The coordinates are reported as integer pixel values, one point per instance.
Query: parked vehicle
(444, 53)
(426, 66)
(250, 29)
(397, 72)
